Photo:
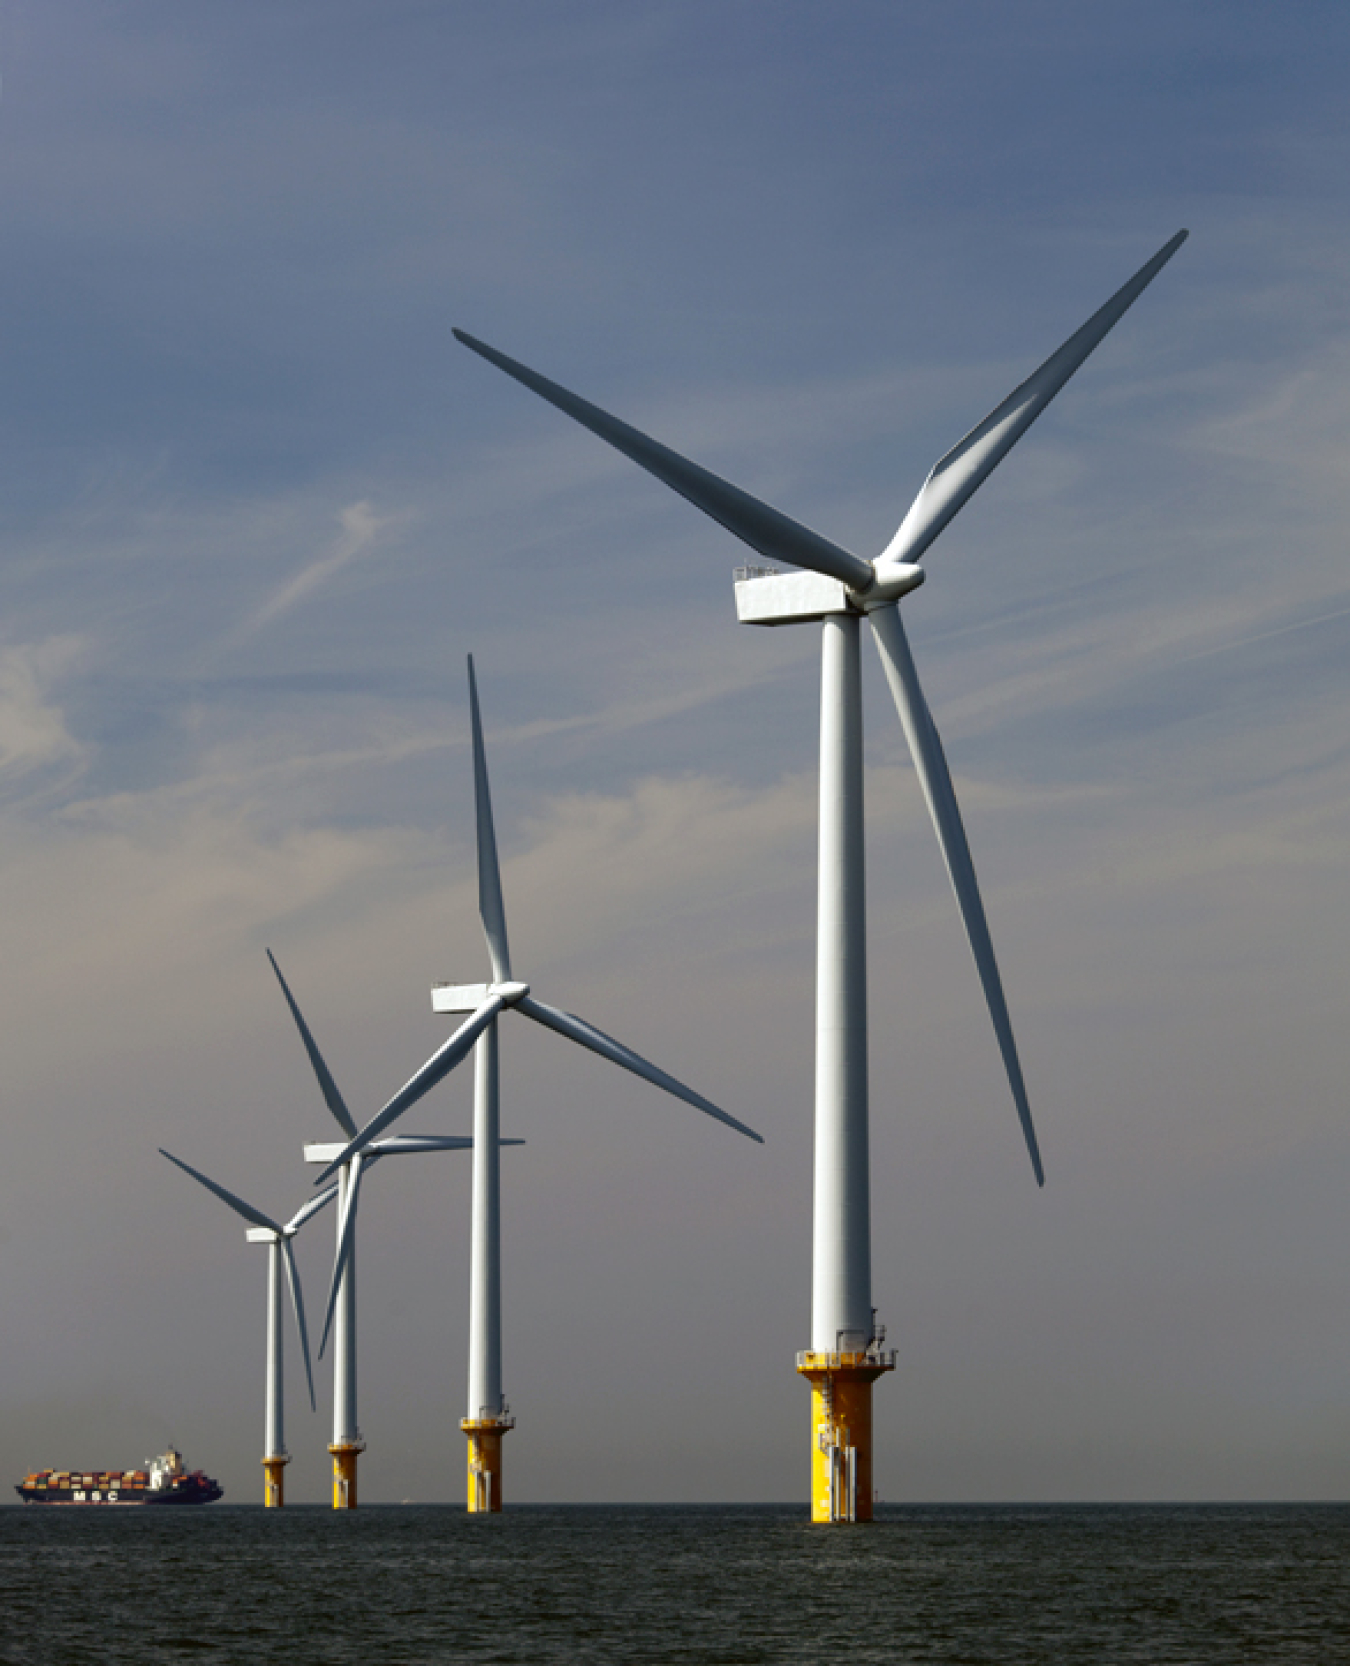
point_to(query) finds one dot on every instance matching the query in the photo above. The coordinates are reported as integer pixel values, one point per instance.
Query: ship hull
(117, 1498)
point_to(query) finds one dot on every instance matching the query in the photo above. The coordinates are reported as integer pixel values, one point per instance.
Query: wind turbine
(488, 1418)
(265, 1230)
(839, 589)
(340, 1316)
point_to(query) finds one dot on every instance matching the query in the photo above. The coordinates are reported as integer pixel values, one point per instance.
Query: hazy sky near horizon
(256, 505)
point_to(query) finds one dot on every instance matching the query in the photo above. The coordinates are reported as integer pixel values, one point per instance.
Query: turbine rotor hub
(893, 580)
(509, 992)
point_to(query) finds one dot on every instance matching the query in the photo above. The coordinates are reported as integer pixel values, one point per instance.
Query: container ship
(164, 1480)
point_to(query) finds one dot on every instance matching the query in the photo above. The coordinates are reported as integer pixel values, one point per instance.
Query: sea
(1006, 1585)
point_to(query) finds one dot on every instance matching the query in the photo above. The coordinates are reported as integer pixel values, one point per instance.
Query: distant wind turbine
(278, 1240)
(340, 1316)
(840, 589)
(488, 1417)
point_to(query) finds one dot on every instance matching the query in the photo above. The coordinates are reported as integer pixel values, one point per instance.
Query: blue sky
(255, 507)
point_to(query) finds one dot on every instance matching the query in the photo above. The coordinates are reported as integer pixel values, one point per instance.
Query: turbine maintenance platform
(485, 1460)
(841, 1423)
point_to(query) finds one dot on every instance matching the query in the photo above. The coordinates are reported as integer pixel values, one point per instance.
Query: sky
(256, 507)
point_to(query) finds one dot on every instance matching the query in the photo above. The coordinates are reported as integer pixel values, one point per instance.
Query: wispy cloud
(361, 528)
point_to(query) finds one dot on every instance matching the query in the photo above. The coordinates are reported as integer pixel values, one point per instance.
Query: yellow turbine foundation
(274, 1486)
(485, 1461)
(344, 1473)
(841, 1431)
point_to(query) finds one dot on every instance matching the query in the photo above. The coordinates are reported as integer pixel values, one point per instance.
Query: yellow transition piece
(485, 1461)
(841, 1431)
(344, 1474)
(274, 1486)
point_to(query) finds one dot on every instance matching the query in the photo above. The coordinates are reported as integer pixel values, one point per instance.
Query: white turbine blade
(397, 1143)
(346, 1233)
(327, 1086)
(298, 1307)
(577, 1029)
(970, 463)
(320, 1201)
(236, 1203)
(438, 1065)
(930, 765)
(490, 905)
(765, 529)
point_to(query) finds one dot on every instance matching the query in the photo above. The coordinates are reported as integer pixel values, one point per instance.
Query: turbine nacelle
(468, 997)
(765, 596)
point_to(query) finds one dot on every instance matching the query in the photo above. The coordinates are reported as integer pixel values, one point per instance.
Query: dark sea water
(961, 1584)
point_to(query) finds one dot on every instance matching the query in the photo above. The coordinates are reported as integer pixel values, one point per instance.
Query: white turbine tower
(340, 1317)
(488, 1418)
(265, 1230)
(839, 589)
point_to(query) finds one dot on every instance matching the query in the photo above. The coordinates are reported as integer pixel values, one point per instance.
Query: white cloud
(33, 730)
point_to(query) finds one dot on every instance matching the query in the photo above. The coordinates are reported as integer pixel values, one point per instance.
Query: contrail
(1263, 636)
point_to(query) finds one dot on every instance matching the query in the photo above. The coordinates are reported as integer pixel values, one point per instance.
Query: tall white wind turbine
(340, 1317)
(264, 1230)
(488, 1417)
(840, 589)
